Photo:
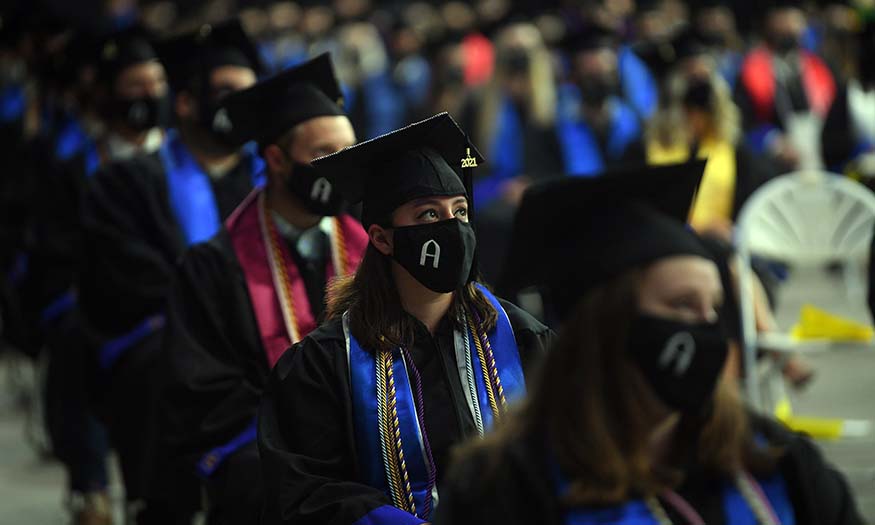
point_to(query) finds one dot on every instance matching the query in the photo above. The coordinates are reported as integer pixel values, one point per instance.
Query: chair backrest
(804, 218)
(808, 217)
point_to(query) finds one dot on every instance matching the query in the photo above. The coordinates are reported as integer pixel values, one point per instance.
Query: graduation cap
(421, 160)
(591, 38)
(123, 49)
(271, 107)
(688, 43)
(574, 234)
(771, 5)
(190, 57)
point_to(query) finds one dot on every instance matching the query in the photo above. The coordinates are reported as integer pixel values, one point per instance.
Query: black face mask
(594, 91)
(439, 254)
(682, 362)
(714, 38)
(143, 113)
(214, 119)
(317, 195)
(784, 44)
(699, 94)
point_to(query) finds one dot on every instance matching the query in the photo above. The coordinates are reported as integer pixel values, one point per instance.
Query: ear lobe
(274, 158)
(380, 238)
(184, 105)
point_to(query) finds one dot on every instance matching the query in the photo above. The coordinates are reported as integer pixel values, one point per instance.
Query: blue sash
(112, 350)
(191, 192)
(736, 509)
(58, 306)
(738, 512)
(213, 459)
(639, 86)
(505, 154)
(363, 386)
(70, 140)
(580, 149)
(12, 103)
(92, 159)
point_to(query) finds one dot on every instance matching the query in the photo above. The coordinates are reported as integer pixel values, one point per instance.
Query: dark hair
(376, 317)
(596, 411)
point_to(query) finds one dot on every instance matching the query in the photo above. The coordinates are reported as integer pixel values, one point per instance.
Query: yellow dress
(715, 200)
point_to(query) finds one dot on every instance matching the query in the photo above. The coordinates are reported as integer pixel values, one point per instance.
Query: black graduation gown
(133, 241)
(515, 486)
(216, 370)
(132, 244)
(55, 260)
(837, 139)
(305, 426)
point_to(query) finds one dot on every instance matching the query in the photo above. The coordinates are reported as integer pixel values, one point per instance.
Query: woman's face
(682, 288)
(431, 209)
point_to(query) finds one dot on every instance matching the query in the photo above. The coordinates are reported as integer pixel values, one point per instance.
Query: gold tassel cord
(490, 394)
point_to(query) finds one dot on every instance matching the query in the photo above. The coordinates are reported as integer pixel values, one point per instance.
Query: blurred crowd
(543, 87)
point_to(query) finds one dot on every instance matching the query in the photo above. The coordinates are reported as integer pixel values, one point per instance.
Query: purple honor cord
(420, 416)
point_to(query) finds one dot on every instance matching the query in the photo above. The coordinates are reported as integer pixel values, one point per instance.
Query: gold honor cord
(390, 458)
(485, 369)
(390, 428)
(279, 265)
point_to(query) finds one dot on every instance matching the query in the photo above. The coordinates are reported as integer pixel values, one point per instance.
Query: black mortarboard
(771, 5)
(123, 49)
(689, 43)
(421, 160)
(271, 107)
(589, 39)
(576, 233)
(190, 57)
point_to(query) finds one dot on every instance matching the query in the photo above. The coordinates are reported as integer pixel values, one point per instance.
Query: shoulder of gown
(819, 492)
(533, 337)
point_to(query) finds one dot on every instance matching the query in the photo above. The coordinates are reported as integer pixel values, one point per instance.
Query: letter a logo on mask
(680, 350)
(222, 122)
(321, 191)
(434, 254)
(138, 112)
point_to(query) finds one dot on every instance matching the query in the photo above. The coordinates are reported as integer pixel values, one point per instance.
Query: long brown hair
(597, 411)
(376, 317)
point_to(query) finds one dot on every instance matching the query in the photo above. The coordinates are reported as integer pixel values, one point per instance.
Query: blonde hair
(669, 126)
(542, 80)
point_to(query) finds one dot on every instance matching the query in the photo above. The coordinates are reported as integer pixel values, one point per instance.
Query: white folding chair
(804, 218)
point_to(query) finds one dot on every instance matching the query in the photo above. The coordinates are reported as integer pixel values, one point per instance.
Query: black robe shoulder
(215, 362)
(306, 436)
(513, 485)
(133, 241)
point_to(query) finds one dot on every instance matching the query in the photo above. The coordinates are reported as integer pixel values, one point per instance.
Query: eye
(461, 212)
(428, 215)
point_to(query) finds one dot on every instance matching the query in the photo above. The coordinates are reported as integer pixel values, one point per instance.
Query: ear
(276, 161)
(184, 106)
(381, 238)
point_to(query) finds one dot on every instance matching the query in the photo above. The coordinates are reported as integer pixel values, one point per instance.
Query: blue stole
(505, 154)
(362, 377)
(12, 103)
(212, 460)
(580, 148)
(191, 192)
(71, 139)
(639, 85)
(736, 509)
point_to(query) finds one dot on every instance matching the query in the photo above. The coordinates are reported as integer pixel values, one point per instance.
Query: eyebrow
(434, 202)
